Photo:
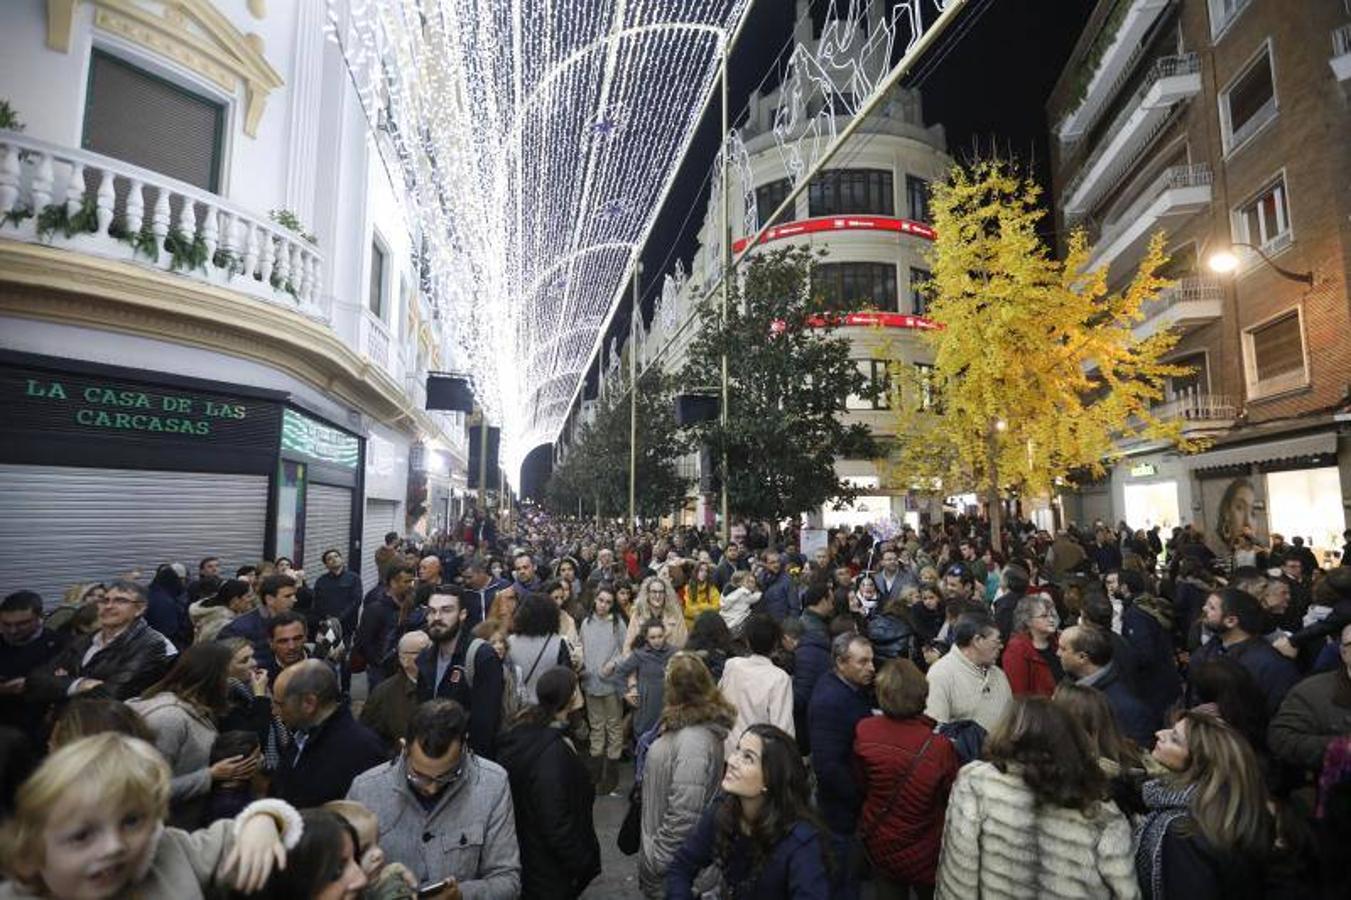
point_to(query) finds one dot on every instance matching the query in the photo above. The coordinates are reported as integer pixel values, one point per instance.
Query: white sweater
(761, 692)
(998, 844)
(960, 689)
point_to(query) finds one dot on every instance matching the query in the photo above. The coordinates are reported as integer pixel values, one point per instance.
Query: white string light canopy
(537, 140)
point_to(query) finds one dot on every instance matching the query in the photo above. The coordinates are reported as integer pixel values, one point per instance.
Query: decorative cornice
(193, 33)
(56, 285)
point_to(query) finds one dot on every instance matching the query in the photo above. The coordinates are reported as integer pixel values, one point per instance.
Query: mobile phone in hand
(436, 887)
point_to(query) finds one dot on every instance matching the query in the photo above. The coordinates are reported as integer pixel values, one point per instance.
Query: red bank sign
(841, 223)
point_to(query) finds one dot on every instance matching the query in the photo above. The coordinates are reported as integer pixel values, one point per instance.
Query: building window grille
(850, 287)
(840, 192)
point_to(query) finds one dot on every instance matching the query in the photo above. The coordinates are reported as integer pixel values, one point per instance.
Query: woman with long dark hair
(323, 864)
(1040, 772)
(536, 645)
(551, 793)
(760, 833)
(181, 710)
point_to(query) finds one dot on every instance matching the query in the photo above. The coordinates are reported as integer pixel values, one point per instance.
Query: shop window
(1265, 221)
(917, 198)
(377, 301)
(1274, 356)
(850, 287)
(851, 192)
(919, 300)
(769, 196)
(875, 370)
(150, 122)
(1249, 102)
(1308, 503)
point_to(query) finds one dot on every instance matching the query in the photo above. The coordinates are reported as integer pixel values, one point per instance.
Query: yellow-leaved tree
(1037, 373)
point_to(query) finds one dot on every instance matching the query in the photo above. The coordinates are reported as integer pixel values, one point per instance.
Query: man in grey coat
(444, 812)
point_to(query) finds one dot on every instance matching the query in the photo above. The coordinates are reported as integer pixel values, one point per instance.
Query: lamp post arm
(1303, 277)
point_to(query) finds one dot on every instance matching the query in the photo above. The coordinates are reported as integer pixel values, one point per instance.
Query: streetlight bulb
(1223, 261)
(1000, 424)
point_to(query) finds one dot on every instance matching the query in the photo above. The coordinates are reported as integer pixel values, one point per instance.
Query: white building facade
(214, 329)
(869, 211)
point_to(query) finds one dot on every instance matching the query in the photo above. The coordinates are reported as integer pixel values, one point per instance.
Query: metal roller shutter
(63, 525)
(328, 523)
(378, 522)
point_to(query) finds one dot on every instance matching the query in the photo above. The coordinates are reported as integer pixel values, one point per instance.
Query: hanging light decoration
(537, 140)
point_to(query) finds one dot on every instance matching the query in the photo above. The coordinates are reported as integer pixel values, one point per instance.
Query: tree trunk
(994, 510)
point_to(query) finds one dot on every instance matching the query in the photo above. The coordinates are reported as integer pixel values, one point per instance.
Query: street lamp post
(726, 226)
(633, 396)
(1225, 261)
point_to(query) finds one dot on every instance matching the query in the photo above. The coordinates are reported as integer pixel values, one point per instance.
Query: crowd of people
(917, 711)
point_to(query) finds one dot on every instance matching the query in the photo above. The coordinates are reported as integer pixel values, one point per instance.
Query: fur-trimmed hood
(715, 712)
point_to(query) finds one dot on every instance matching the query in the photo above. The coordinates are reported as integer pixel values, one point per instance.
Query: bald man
(429, 570)
(391, 704)
(330, 747)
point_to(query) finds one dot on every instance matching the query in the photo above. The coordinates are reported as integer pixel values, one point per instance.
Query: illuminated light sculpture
(537, 140)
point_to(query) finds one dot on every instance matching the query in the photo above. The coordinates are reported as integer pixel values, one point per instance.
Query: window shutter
(1277, 348)
(144, 120)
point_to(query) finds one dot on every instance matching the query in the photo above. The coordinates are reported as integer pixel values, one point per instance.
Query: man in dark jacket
(842, 698)
(337, 594)
(811, 658)
(1013, 584)
(552, 796)
(778, 597)
(444, 670)
(277, 594)
(124, 657)
(1316, 711)
(1233, 618)
(480, 589)
(1085, 652)
(1147, 627)
(381, 618)
(330, 748)
(731, 563)
(25, 647)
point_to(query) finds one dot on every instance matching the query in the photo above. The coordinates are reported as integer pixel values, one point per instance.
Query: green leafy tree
(789, 375)
(596, 469)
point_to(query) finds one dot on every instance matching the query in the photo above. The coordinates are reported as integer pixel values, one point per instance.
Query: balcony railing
(106, 207)
(1167, 195)
(1169, 79)
(375, 344)
(1341, 52)
(1112, 67)
(1198, 406)
(1190, 301)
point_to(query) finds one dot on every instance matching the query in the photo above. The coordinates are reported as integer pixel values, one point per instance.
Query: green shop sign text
(126, 410)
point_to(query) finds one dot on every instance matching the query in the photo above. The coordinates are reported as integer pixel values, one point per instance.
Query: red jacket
(1027, 670)
(903, 829)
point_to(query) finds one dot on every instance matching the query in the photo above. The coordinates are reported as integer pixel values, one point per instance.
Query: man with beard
(1233, 620)
(446, 669)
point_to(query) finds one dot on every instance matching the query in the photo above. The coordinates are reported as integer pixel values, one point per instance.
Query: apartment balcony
(1341, 53)
(1120, 41)
(94, 204)
(1199, 411)
(1170, 80)
(1178, 191)
(1189, 303)
(376, 346)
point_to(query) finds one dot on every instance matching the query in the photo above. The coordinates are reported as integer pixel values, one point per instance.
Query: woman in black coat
(552, 793)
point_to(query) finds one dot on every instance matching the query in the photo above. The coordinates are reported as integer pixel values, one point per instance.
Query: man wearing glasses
(449, 809)
(966, 683)
(124, 657)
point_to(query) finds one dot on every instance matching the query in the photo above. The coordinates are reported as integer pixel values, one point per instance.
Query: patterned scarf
(1166, 805)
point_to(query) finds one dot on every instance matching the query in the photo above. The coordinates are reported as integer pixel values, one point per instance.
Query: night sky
(986, 81)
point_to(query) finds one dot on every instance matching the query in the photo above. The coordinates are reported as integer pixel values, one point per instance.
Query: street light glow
(1223, 261)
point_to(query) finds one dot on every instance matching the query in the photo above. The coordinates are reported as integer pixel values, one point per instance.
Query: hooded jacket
(681, 776)
(184, 735)
(552, 794)
(207, 621)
